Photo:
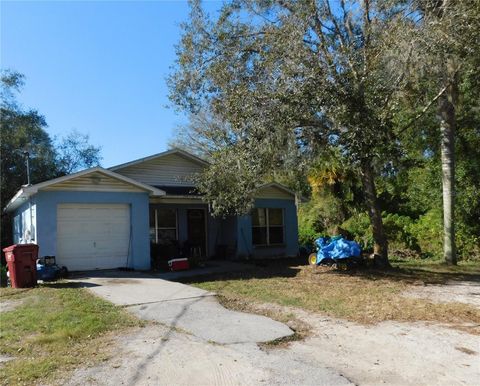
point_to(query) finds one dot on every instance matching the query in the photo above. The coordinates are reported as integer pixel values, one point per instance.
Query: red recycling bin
(22, 264)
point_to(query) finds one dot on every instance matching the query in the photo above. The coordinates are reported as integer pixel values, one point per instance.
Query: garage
(93, 236)
(92, 219)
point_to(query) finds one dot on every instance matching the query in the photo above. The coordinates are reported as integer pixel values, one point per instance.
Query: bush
(397, 229)
(318, 218)
(429, 233)
(468, 245)
(322, 214)
(399, 232)
(359, 226)
(428, 230)
(307, 237)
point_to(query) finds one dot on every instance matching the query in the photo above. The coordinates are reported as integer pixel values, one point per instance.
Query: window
(163, 225)
(267, 226)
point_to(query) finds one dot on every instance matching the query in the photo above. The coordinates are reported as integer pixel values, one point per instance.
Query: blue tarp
(336, 248)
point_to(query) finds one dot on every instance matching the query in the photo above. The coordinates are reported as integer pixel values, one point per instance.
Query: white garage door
(93, 236)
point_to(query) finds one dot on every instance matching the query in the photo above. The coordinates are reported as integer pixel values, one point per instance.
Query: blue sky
(98, 67)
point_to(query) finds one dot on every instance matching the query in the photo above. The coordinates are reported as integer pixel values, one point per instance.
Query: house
(118, 217)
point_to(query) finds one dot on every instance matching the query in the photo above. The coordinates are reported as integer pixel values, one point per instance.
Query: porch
(185, 228)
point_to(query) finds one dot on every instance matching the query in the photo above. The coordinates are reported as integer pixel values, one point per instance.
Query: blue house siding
(244, 231)
(24, 219)
(47, 202)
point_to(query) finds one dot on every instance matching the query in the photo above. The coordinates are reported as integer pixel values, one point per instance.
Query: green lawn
(365, 296)
(55, 329)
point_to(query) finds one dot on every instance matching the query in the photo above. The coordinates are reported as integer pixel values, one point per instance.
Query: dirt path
(467, 292)
(393, 353)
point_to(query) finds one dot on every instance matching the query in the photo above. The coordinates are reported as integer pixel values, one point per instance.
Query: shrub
(468, 245)
(307, 236)
(319, 217)
(397, 229)
(322, 214)
(359, 226)
(399, 232)
(429, 234)
(428, 230)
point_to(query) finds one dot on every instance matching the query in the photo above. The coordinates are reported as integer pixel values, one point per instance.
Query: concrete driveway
(182, 306)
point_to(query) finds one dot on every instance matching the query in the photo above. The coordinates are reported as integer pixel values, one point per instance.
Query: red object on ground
(22, 264)
(178, 264)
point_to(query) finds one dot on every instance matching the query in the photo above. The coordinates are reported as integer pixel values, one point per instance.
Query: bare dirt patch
(466, 292)
(10, 305)
(396, 353)
(392, 352)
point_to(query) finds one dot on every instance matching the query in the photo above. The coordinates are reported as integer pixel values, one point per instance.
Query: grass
(364, 296)
(55, 329)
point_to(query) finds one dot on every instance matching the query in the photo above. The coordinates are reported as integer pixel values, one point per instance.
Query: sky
(99, 68)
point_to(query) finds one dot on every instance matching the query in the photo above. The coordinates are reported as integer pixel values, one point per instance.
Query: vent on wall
(96, 179)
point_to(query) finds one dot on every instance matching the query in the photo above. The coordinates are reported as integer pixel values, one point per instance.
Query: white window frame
(157, 228)
(267, 226)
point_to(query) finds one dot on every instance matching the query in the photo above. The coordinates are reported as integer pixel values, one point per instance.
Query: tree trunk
(380, 247)
(446, 114)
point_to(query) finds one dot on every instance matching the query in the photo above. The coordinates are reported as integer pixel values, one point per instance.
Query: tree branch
(424, 110)
(347, 21)
(341, 38)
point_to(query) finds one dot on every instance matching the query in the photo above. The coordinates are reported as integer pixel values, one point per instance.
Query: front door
(197, 231)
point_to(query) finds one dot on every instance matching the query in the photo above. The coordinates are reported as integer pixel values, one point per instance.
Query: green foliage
(320, 216)
(359, 226)
(229, 185)
(324, 213)
(286, 91)
(422, 237)
(468, 243)
(399, 231)
(307, 236)
(291, 79)
(429, 233)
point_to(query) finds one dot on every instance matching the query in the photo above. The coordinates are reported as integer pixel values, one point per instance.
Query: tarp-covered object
(336, 248)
